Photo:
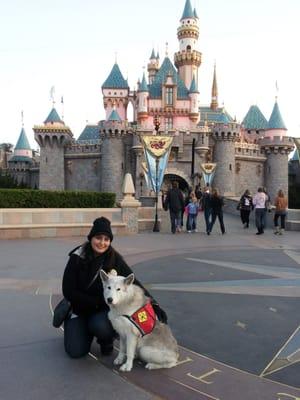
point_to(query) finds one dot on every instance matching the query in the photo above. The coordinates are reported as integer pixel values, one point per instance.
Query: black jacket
(216, 203)
(80, 271)
(174, 200)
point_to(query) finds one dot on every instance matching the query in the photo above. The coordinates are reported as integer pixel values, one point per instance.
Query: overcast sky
(72, 45)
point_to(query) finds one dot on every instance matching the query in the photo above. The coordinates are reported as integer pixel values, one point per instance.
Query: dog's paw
(126, 367)
(152, 366)
(119, 360)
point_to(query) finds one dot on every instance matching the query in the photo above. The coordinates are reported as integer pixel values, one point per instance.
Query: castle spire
(214, 91)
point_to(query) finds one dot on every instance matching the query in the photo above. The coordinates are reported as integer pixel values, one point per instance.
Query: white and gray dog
(159, 348)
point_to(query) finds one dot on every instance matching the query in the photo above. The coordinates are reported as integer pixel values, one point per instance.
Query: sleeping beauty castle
(245, 155)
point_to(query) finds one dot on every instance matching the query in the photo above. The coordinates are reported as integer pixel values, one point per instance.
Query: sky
(72, 45)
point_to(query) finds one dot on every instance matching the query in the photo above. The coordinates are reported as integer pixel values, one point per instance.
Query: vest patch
(144, 319)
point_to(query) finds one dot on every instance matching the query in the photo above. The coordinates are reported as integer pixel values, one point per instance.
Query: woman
(82, 286)
(216, 203)
(245, 206)
(281, 205)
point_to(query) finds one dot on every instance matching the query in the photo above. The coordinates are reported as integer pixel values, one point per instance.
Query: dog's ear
(129, 279)
(103, 275)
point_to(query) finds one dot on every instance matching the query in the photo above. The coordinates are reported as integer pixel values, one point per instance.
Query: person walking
(82, 287)
(206, 207)
(217, 204)
(259, 202)
(192, 209)
(281, 205)
(245, 206)
(175, 203)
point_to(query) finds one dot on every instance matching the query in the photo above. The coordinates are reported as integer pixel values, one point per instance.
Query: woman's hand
(161, 314)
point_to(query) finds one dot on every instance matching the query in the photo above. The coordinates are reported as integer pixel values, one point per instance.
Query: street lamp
(156, 224)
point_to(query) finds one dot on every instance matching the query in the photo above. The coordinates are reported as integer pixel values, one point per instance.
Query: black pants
(175, 217)
(245, 216)
(282, 220)
(260, 219)
(79, 333)
(214, 216)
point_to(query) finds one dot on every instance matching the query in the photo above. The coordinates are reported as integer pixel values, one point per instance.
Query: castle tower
(115, 92)
(276, 146)
(112, 133)
(225, 134)
(153, 66)
(52, 138)
(188, 59)
(143, 93)
(193, 95)
(214, 92)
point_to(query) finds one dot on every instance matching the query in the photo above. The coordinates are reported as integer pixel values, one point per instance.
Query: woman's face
(100, 243)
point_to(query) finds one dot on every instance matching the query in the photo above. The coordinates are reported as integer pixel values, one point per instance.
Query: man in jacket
(175, 203)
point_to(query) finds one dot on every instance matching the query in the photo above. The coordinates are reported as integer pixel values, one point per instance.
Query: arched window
(169, 96)
(188, 48)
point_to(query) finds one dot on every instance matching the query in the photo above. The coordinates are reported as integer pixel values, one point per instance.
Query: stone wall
(249, 175)
(83, 173)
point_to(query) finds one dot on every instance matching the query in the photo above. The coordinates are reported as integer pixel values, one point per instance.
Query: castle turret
(112, 133)
(115, 92)
(153, 66)
(214, 92)
(188, 59)
(194, 95)
(52, 138)
(143, 93)
(225, 134)
(276, 146)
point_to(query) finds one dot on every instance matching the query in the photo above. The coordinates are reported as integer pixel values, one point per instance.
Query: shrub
(25, 198)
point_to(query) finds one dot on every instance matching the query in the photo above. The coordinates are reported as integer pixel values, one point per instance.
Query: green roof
(152, 55)
(115, 79)
(295, 156)
(188, 11)
(114, 116)
(20, 159)
(193, 88)
(90, 134)
(195, 14)
(166, 69)
(254, 119)
(53, 117)
(220, 115)
(143, 87)
(276, 121)
(22, 143)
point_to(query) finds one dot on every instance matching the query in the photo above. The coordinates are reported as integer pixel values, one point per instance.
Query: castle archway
(173, 174)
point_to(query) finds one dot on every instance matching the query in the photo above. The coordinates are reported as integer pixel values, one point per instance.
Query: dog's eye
(108, 287)
(118, 289)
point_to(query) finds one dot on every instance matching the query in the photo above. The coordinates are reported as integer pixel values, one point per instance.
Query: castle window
(168, 123)
(230, 167)
(188, 47)
(169, 96)
(257, 132)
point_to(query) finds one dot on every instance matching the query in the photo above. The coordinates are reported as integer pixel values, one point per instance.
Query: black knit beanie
(101, 225)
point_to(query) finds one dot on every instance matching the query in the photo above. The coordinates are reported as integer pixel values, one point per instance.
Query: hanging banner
(209, 170)
(146, 175)
(157, 151)
(157, 145)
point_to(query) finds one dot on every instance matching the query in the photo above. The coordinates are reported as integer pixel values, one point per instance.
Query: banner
(157, 145)
(146, 175)
(209, 170)
(157, 151)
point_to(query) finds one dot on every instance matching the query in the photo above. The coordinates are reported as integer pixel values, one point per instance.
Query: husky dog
(159, 348)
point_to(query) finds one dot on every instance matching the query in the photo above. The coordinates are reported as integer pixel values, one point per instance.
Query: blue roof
(90, 134)
(22, 143)
(193, 88)
(115, 79)
(195, 14)
(188, 11)
(143, 87)
(114, 116)
(166, 68)
(53, 117)
(255, 119)
(152, 55)
(220, 115)
(276, 121)
(295, 156)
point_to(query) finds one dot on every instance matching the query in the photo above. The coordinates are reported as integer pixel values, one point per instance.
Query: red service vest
(144, 319)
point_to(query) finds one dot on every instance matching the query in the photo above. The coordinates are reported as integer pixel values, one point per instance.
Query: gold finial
(52, 94)
(214, 91)
(167, 50)
(116, 57)
(22, 118)
(277, 90)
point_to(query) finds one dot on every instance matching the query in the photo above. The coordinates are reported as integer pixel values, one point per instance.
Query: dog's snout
(109, 300)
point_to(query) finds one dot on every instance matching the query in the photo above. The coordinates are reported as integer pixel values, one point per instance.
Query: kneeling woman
(82, 286)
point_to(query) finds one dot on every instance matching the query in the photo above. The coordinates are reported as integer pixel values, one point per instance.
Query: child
(192, 211)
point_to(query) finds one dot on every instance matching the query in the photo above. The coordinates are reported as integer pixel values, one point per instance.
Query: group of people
(261, 203)
(209, 201)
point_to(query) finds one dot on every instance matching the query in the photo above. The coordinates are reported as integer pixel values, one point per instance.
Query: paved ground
(233, 304)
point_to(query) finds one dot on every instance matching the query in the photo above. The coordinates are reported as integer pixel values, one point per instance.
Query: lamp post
(156, 224)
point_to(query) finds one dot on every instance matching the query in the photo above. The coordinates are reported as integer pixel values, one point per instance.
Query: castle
(248, 155)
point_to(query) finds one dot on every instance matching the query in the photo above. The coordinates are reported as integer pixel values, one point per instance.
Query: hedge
(26, 198)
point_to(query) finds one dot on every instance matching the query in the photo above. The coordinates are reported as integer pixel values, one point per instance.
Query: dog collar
(143, 319)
